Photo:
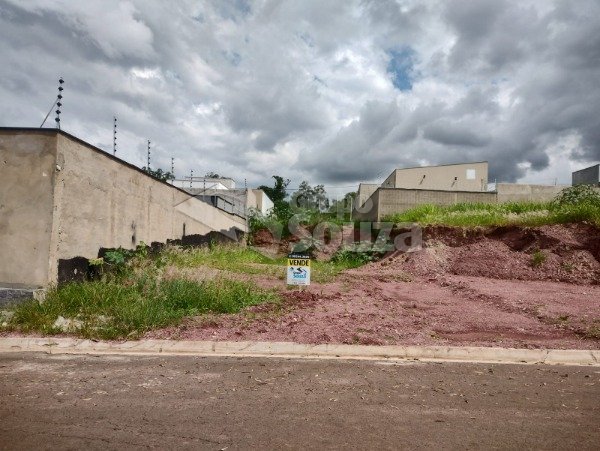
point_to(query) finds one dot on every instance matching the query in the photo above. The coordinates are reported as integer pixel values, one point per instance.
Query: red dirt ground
(477, 288)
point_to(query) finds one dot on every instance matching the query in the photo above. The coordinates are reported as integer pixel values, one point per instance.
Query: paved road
(116, 402)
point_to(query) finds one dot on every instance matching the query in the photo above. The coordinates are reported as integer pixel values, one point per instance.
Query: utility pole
(173, 167)
(114, 135)
(351, 207)
(191, 176)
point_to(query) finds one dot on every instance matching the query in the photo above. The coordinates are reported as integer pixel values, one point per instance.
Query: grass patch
(113, 309)
(242, 260)
(134, 297)
(593, 332)
(224, 257)
(538, 258)
(504, 214)
(323, 272)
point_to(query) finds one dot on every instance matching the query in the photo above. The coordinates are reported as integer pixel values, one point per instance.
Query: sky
(335, 92)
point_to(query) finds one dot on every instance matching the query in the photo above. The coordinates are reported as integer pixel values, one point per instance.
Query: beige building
(447, 177)
(62, 198)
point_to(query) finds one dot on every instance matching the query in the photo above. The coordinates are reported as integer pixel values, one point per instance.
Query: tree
(212, 175)
(159, 174)
(278, 192)
(344, 205)
(312, 198)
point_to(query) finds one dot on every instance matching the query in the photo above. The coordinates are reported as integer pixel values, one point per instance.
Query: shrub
(538, 258)
(578, 195)
(353, 258)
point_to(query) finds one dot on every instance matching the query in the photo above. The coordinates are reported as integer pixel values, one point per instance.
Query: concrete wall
(365, 190)
(104, 203)
(516, 192)
(27, 170)
(451, 177)
(263, 203)
(63, 198)
(587, 176)
(369, 209)
(387, 201)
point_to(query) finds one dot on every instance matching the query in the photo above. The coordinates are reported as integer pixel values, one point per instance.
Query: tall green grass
(511, 213)
(245, 260)
(116, 309)
(232, 258)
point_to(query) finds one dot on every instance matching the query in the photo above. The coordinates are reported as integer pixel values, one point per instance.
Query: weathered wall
(451, 177)
(399, 200)
(516, 192)
(100, 202)
(587, 176)
(27, 169)
(61, 198)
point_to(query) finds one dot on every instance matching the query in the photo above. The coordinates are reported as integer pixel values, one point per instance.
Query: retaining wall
(516, 192)
(386, 201)
(66, 199)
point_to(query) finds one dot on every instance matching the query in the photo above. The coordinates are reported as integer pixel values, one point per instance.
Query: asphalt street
(124, 402)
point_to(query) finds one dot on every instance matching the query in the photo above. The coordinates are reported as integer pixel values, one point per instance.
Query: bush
(353, 258)
(578, 195)
(538, 258)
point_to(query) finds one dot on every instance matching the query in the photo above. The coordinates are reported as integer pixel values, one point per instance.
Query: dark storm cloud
(325, 91)
(454, 135)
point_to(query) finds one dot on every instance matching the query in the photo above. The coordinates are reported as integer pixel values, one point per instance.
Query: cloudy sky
(329, 91)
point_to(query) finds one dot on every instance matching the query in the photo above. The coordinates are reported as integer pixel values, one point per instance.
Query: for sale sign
(298, 269)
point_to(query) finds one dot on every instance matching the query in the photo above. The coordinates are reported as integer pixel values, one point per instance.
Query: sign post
(298, 269)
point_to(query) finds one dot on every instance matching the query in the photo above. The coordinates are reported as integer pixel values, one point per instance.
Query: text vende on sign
(298, 262)
(298, 269)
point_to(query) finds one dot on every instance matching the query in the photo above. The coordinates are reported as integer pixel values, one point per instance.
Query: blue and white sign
(298, 269)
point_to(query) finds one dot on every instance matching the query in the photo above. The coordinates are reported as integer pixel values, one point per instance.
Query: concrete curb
(303, 351)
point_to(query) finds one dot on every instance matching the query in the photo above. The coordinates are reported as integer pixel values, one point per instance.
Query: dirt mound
(565, 253)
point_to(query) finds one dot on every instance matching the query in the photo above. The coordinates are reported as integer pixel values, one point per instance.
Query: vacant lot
(517, 287)
(495, 286)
